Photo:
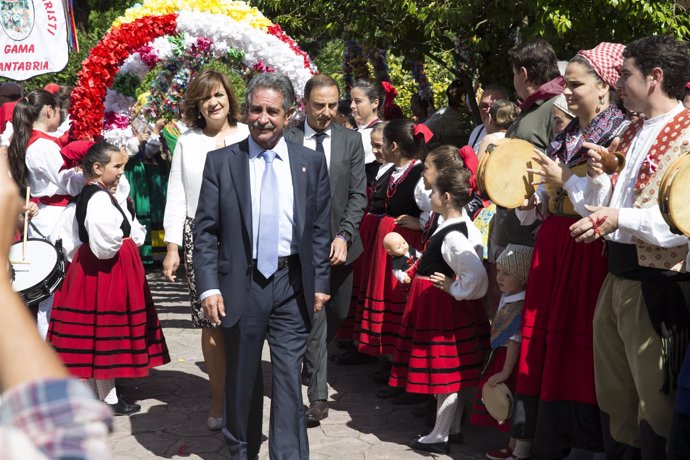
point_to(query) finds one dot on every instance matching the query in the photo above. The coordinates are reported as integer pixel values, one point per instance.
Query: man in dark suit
(262, 240)
(345, 158)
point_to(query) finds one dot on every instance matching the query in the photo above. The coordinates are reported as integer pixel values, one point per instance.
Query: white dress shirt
(310, 142)
(461, 255)
(476, 136)
(286, 205)
(186, 174)
(646, 224)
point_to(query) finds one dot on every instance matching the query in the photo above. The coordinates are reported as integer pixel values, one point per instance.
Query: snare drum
(502, 174)
(498, 401)
(673, 195)
(39, 274)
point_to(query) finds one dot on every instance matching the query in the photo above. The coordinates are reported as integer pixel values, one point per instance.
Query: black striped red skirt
(384, 301)
(438, 350)
(480, 417)
(360, 275)
(104, 324)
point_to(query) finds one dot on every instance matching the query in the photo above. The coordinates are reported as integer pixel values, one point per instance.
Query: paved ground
(175, 401)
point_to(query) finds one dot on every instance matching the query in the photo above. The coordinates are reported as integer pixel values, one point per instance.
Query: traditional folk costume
(184, 185)
(385, 295)
(104, 324)
(147, 174)
(555, 385)
(376, 195)
(438, 350)
(642, 319)
(506, 326)
(52, 187)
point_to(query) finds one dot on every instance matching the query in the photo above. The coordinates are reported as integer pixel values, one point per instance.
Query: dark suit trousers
(326, 324)
(277, 312)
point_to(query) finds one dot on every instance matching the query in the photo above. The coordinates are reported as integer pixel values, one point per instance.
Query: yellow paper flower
(237, 10)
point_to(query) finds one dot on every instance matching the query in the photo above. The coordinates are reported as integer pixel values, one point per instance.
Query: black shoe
(124, 408)
(456, 438)
(354, 358)
(434, 448)
(381, 376)
(389, 392)
(318, 410)
(408, 399)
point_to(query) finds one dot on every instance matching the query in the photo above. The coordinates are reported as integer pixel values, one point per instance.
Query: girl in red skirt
(104, 324)
(385, 296)
(376, 194)
(512, 268)
(438, 351)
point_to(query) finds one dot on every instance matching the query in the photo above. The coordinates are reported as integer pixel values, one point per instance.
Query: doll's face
(396, 245)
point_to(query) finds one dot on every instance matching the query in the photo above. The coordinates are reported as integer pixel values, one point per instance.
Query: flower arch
(222, 26)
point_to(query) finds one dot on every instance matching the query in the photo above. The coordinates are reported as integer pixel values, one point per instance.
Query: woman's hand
(407, 222)
(552, 172)
(441, 281)
(171, 263)
(595, 167)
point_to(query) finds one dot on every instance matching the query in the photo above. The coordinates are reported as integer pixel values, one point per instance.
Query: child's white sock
(106, 390)
(522, 448)
(456, 426)
(445, 412)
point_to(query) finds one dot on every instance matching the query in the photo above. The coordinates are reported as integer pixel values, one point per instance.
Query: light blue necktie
(267, 242)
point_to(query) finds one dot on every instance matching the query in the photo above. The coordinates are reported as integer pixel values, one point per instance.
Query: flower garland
(238, 11)
(140, 40)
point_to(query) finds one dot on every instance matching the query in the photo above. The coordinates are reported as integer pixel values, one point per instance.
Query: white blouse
(43, 163)
(460, 254)
(186, 174)
(103, 222)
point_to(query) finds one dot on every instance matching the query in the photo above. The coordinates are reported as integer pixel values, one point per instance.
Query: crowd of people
(352, 224)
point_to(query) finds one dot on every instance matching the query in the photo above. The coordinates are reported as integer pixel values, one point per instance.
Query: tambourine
(673, 195)
(502, 173)
(498, 401)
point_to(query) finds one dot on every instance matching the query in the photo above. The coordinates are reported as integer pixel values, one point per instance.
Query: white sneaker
(214, 423)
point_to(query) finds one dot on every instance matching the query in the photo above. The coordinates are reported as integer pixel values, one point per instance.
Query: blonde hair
(503, 113)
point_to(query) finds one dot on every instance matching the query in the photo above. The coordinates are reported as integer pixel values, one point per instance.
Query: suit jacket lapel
(239, 170)
(298, 168)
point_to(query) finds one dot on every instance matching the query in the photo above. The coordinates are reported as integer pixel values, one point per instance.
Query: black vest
(432, 260)
(378, 196)
(403, 202)
(82, 203)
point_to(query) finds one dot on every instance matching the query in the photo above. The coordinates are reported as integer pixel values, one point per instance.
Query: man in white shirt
(491, 94)
(344, 154)
(642, 319)
(262, 240)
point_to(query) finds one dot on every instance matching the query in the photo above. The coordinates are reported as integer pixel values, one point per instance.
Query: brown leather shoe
(318, 410)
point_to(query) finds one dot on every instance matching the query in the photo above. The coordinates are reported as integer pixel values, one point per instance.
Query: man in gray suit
(345, 158)
(262, 239)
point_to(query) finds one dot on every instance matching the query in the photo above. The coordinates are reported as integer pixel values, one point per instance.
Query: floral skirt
(198, 317)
